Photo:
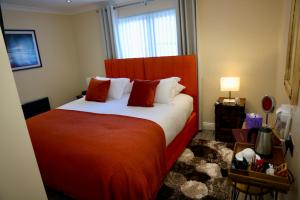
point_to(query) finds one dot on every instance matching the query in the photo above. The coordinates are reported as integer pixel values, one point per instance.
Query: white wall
(59, 78)
(20, 177)
(237, 38)
(89, 41)
(151, 7)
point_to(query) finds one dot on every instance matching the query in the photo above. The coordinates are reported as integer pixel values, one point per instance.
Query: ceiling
(53, 6)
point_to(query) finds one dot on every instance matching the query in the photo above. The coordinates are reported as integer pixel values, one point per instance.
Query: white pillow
(178, 89)
(117, 86)
(128, 87)
(165, 90)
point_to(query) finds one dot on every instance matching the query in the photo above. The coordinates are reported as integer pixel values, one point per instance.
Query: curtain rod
(133, 3)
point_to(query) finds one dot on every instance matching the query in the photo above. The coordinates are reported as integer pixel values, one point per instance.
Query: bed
(110, 151)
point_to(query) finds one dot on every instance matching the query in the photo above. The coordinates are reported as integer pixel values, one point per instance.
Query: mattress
(170, 117)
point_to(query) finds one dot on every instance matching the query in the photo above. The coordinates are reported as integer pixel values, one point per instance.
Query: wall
(19, 179)
(282, 98)
(294, 162)
(59, 78)
(237, 38)
(89, 40)
(151, 7)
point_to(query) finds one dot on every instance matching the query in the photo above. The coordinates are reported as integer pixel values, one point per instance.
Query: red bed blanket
(99, 156)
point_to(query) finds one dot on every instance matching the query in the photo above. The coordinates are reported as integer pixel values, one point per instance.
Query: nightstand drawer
(229, 110)
(229, 122)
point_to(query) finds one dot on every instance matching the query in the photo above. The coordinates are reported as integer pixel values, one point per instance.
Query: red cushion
(143, 93)
(97, 90)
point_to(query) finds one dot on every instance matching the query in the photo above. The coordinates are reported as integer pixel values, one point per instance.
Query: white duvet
(171, 117)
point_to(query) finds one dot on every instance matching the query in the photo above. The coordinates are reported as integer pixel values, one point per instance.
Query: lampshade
(230, 83)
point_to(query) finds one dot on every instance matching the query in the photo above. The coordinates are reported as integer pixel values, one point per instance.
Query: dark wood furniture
(228, 117)
(257, 179)
(36, 107)
(81, 95)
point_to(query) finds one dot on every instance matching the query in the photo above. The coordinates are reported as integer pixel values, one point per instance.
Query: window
(147, 35)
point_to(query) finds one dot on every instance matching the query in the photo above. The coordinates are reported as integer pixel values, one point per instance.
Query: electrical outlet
(289, 145)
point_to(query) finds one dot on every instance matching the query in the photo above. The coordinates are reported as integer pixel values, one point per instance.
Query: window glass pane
(152, 34)
(165, 31)
(132, 37)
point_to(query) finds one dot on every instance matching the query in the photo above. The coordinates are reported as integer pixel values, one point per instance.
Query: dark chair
(36, 107)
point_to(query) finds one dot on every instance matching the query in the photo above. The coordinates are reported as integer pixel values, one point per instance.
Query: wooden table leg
(247, 191)
(275, 195)
(234, 192)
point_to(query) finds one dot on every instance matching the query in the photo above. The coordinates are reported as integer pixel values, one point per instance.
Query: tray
(257, 178)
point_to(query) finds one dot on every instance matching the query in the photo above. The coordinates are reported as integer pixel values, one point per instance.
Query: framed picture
(292, 76)
(22, 48)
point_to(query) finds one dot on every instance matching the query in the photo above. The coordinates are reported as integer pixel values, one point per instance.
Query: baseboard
(208, 126)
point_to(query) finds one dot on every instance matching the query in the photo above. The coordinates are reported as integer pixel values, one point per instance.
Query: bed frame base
(177, 146)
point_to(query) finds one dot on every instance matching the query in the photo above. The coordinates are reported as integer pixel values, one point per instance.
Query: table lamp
(230, 84)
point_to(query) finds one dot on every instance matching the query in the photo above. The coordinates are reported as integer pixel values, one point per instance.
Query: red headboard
(132, 68)
(158, 68)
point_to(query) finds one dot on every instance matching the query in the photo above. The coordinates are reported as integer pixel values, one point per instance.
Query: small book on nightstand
(234, 101)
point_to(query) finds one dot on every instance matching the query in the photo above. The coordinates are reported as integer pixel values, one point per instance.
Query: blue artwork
(22, 49)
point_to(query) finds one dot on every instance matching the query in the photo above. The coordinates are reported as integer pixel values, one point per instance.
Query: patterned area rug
(199, 173)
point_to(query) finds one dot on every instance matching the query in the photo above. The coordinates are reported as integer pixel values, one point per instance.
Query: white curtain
(151, 34)
(147, 35)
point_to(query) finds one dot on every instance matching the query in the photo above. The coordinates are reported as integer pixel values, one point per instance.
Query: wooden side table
(228, 117)
(81, 95)
(257, 179)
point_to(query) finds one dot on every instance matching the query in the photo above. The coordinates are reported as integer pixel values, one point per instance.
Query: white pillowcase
(128, 87)
(166, 89)
(178, 89)
(117, 86)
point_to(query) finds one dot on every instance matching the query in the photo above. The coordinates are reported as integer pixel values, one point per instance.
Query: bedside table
(81, 95)
(228, 117)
